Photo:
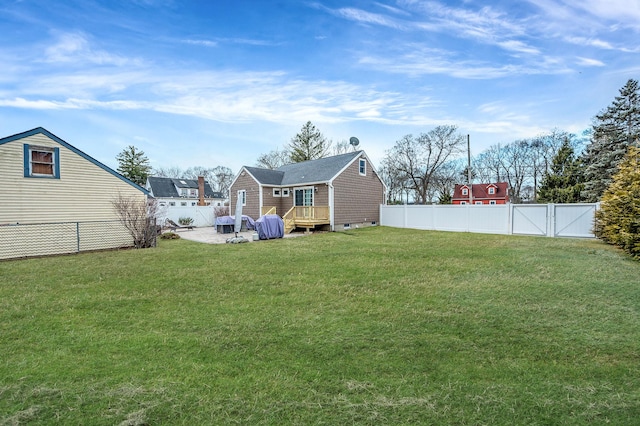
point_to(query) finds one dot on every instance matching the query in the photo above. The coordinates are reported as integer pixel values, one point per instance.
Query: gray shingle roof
(163, 187)
(266, 176)
(321, 170)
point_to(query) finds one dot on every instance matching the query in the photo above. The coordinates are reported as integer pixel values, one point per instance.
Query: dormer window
(465, 191)
(492, 190)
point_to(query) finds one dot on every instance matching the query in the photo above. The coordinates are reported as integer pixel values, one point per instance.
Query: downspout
(331, 206)
(259, 200)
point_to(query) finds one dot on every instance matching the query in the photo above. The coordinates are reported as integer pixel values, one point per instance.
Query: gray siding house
(335, 193)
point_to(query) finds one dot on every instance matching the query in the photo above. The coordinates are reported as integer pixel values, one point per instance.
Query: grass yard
(371, 326)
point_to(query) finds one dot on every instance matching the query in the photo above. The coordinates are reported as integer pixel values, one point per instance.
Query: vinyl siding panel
(246, 182)
(84, 191)
(357, 198)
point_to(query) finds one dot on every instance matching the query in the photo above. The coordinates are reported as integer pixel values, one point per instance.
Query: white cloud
(588, 62)
(206, 43)
(365, 17)
(74, 48)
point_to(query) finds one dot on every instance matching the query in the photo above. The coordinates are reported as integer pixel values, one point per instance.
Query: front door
(303, 199)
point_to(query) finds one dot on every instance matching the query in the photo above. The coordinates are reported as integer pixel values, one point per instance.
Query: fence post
(551, 220)
(404, 216)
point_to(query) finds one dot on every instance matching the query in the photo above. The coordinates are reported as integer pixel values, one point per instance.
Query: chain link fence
(44, 239)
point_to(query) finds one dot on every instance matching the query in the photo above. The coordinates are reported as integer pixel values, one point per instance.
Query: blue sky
(208, 83)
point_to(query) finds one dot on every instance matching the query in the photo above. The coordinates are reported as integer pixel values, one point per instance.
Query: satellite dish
(354, 141)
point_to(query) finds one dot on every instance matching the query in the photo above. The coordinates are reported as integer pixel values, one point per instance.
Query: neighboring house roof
(163, 187)
(312, 171)
(481, 191)
(72, 148)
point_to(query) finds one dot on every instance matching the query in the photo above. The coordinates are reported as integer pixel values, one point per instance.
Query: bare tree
(168, 172)
(516, 165)
(139, 217)
(273, 159)
(343, 147)
(418, 159)
(445, 179)
(221, 178)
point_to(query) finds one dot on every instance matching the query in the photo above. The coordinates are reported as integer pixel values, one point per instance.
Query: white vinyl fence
(551, 220)
(201, 215)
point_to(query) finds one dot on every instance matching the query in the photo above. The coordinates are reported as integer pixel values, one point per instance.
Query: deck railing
(305, 216)
(267, 210)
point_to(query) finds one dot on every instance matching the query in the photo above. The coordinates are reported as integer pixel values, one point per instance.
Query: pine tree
(618, 220)
(133, 165)
(614, 130)
(309, 144)
(563, 183)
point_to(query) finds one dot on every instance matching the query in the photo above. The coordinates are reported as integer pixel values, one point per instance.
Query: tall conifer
(614, 130)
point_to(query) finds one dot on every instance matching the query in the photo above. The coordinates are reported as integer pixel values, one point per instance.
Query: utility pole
(469, 170)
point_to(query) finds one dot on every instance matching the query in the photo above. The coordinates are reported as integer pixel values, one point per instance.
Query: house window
(183, 192)
(465, 191)
(193, 193)
(347, 226)
(285, 192)
(363, 167)
(183, 203)
(242, 194)
(41, 161)
(193, 203)
(463, 202)
(172, 203)
(492, 202)
(478, 202)
(492, 190)
(277, 192)
(303, 197)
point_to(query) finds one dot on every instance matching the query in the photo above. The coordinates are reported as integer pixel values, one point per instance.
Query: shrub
(618, 220)
(170, 236)
(185, 221)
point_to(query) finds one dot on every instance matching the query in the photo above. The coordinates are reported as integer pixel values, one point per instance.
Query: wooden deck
(305, 217)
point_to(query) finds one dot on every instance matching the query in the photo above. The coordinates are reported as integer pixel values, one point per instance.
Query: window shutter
(56, 159)
(26, 160)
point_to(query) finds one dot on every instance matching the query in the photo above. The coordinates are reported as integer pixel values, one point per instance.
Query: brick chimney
(201, 190)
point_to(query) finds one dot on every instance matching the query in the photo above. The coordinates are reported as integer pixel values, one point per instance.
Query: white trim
(362, 164)
(279, 190)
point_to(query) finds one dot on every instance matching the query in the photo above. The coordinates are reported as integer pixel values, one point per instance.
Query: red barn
(482, 193)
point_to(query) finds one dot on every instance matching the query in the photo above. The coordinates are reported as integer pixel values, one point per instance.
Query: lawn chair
(174, 226)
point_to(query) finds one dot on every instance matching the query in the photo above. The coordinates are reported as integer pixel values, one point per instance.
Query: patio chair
(174, 226)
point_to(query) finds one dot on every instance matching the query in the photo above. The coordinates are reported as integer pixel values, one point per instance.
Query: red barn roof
(482, 192)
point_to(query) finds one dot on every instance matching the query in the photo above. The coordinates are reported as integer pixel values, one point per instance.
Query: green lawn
(372, 326)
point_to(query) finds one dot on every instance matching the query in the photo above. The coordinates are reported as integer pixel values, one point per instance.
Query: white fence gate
(552, 220)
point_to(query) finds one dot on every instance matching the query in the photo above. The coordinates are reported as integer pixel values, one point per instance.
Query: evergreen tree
(614, 130)
(309, 144)
(618, 220)
(133, 165)
(563, 183)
